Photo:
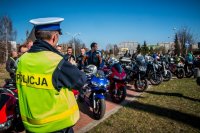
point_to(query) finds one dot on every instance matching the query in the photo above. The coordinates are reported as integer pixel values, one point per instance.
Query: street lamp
(73, 39)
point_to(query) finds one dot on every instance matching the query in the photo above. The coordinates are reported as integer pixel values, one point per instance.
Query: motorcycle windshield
(118, 67)
(141, 61)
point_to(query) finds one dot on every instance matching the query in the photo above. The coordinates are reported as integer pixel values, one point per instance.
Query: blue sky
(108, 21)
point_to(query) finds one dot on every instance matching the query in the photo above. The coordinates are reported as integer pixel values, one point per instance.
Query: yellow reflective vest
(42, 107)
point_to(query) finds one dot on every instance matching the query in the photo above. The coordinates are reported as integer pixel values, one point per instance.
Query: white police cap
(48, 24)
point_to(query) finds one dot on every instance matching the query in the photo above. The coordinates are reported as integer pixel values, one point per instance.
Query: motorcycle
(166, 74)
(177, 69)
(9, 109)
(124, 61)
(117, 78)
(136, 72)
(93, 92)
(189, 69)
(153, 73)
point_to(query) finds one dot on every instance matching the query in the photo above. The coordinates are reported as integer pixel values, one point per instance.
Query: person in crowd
(70, 56)
(80, 58)
(22, 49)
(93, 56)
(127, 54)
(45, 79)
(10, 63)
(134, 55)
(29, 43)
(154, 55)
(189, 60)
(59, 48)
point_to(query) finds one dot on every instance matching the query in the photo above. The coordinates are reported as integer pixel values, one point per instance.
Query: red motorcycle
(10, 119)
(117, 88)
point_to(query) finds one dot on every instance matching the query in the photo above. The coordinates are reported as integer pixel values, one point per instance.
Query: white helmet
(91, 69)
(112, 61)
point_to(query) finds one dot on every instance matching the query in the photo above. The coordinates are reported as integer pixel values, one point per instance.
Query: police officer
(93, 56)
(45, 80)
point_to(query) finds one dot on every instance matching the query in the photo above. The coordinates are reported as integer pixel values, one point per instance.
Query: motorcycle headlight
(142, 68)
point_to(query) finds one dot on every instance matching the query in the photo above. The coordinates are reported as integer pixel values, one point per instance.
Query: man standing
(10, 64)
(93, 56)
(69, 54)
(45, 79)
(80, 58)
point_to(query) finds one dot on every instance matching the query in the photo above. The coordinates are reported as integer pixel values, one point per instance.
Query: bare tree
(7, 33)
(109, 47)
(185, 36)
(78, 45)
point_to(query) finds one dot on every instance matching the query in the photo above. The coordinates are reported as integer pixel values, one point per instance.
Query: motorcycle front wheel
(167, 76)
(100, 108)
(141, 85)
(156, 78)
(180, 73)
(189, 73)
(118, 95)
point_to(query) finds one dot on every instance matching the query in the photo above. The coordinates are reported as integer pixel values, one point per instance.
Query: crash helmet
(91, 69)
(112, 61)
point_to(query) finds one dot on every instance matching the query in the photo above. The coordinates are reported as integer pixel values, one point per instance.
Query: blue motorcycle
(94, 91)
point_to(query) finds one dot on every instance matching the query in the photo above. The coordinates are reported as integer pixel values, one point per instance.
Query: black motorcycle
(136, 72)
(166, 74)
(189, 69)
(153, 73)
(177, 69)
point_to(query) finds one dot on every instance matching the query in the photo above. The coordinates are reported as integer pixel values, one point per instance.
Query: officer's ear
(53, 37)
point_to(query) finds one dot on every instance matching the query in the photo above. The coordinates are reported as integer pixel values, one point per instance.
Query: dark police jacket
(65, 74)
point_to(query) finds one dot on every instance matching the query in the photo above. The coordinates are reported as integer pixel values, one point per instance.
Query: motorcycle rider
(94, 56)
(188, 60)
(45, 79)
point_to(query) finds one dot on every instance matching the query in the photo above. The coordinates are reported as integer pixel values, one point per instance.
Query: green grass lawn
(173, 106)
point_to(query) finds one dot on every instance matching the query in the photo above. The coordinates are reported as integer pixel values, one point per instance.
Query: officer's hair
(93, 44)
(43, 35)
